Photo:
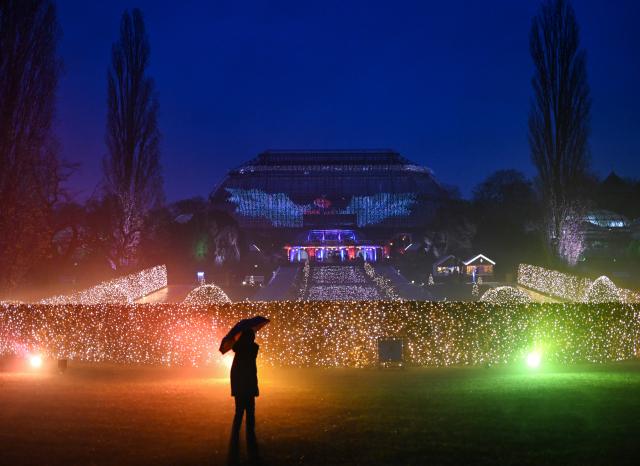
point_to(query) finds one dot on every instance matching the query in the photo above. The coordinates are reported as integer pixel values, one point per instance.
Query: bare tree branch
(31, 174)
(132, 167)
(560, 110)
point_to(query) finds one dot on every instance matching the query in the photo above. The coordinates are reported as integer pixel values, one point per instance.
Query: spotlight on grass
(534, 358)
(35, 361)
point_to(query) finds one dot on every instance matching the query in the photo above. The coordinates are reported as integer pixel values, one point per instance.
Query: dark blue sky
(445, 83)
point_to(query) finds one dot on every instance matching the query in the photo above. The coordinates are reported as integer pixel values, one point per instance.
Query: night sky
(445, 83)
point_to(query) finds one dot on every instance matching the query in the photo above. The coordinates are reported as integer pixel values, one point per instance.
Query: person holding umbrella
(244, 381)
(244, 378)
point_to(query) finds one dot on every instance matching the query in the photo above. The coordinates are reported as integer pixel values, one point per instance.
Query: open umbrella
(254, 323)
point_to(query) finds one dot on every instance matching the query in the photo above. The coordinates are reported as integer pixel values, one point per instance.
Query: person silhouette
(244, 389)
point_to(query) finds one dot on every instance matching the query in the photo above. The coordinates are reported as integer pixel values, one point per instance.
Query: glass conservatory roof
(606, 219)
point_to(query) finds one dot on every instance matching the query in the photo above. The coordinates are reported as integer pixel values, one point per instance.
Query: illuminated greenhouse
(361, 189)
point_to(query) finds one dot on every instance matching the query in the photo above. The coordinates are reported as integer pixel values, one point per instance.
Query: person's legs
(252, 442)
(251, 416)
(237, 419)
(234, 442)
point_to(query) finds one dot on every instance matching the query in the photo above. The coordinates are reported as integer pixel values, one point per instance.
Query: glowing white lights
(338, 275)
(129, 333)
(125, 289)
(340, 283)
(602, 290)
(505, 295)
(304, 282)
(280, 211)
(342, 293)
(571, 243)
(552, 282)
(572, 288)
(475, 290)
(207, 294)
(384, 284)
(345, 283)
(324, 333)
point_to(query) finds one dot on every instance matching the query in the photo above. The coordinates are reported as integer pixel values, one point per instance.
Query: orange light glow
(35, 361)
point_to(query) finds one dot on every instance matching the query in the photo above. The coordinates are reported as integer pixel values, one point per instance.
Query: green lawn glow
(102, 414)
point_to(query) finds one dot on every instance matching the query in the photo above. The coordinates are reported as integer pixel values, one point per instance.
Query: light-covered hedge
(324, 333)
(506, 295)
(572, 288)
(207, 294)
(128, 288)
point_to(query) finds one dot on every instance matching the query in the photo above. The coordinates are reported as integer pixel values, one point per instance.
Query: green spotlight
(533, 359)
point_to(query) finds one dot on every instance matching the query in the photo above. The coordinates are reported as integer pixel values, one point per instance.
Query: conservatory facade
(377, 193)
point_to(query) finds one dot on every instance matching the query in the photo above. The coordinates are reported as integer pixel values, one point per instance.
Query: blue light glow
(280, 211)
(377, 208)
(277, 208)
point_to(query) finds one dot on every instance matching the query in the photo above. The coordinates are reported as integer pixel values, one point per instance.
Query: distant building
(334, 246)
(605, 232)
(479, 266)
(321, 204)
(446, 266)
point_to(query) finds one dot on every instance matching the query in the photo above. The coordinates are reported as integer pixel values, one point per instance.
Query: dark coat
(244, 373)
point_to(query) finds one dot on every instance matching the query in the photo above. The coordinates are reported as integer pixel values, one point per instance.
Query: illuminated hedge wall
(128, 288)
(325, 334)
(568, 287)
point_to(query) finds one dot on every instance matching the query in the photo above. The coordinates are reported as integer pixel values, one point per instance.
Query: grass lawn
(123, 415)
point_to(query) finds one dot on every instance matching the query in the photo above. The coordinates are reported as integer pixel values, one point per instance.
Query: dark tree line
(38, 227)
(31, 174)
(127, 226)
(506, 212)
(619, 195)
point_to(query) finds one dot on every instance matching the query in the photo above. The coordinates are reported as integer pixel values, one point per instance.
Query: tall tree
(132, 166)
(30, 171)
(559, 115)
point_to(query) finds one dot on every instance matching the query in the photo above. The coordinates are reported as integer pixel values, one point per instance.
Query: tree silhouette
(132, 166)
(559, 115)
(30, 172)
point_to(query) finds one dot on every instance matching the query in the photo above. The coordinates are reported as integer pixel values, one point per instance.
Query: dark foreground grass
(115, 415)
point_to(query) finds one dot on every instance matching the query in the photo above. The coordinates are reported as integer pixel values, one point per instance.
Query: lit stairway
(340, 283)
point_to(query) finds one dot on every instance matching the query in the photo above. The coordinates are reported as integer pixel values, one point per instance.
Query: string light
(304, 283)
(125, 289)
(306, 333)
(342, 293)
(341, 283)
(279, 210)
(344, 283)
(207, 294)
(505, 295)
(602, 290)
(128, 333)
(384, 284)
(338, 274)
(571, 288)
